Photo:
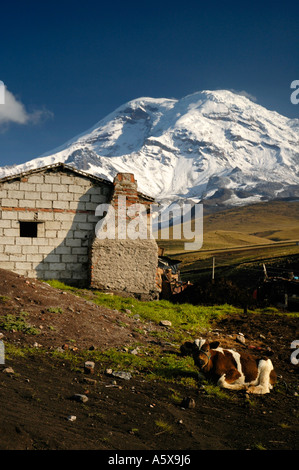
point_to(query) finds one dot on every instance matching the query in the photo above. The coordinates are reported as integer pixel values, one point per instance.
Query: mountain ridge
(213, 146)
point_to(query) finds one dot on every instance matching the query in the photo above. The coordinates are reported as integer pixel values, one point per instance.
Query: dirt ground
(37, 398)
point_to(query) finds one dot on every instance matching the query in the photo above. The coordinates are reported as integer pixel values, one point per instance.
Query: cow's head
(188, 348)
(203, 354)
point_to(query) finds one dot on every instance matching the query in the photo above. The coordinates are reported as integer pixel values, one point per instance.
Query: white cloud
(246, 94)
(13, 111)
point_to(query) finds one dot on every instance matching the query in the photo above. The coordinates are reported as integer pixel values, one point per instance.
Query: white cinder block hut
(47, 228)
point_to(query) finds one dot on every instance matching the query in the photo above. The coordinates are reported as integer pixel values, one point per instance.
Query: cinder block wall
(63, 204)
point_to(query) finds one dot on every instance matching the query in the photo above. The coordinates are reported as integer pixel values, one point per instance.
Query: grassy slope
(187, 322)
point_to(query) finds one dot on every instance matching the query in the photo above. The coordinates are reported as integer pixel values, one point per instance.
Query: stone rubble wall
(127, 266)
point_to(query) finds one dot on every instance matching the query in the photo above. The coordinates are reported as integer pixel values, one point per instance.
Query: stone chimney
(125, 265)
(125, 185)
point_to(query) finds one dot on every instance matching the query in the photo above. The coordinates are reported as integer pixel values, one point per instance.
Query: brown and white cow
(230, 369)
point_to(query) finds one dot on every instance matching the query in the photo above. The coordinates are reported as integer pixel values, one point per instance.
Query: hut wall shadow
(69, 259)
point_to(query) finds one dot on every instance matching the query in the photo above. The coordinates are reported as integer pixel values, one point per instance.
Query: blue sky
(67, 64)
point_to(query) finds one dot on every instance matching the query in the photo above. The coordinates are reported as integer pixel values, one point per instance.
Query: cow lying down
(231, 369)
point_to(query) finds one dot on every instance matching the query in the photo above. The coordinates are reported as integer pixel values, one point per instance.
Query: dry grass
(241, 235)
(256, 224)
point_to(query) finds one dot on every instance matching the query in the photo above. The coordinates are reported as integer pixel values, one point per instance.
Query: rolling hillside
(256, 224)
(244, 237)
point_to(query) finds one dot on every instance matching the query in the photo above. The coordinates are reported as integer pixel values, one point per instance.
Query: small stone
(89, 381)
(165, 323)
(72, 418)
(81, 398)
(188, 402)
(240, 338)
(122, 375)
(134, 351)
(8, 370)
(89, 367)
(119, 374)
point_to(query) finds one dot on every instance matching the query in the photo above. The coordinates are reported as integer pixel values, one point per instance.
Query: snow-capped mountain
(215, 146)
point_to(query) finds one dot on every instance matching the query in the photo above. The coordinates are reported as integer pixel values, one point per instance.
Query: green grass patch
(150, 363)
(259, 446)
(274, 311)
(215, 391)
(187, 322)
(18, 322)
(60, 285)
(55, 310)
(163, 427)
(185, 318)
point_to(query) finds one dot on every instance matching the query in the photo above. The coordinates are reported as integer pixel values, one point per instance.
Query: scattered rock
(188, 402)
(165, 323)
(89, 367)
(8, 370)
(79, 397)
(90, 381)
(72, 418)
(122, 375)
(119, 374)
(134, 351)
(240, 338)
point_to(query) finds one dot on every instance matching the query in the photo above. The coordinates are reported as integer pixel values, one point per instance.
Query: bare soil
(37, 398)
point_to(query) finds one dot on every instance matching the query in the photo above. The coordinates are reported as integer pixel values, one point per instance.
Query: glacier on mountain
(212, 146)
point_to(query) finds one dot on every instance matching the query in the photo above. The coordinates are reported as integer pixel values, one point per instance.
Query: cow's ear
(214, 345)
